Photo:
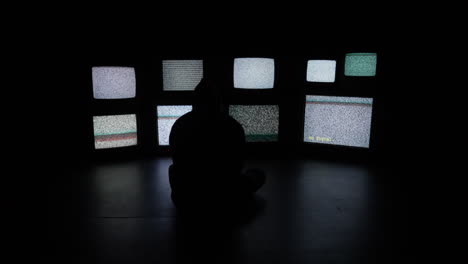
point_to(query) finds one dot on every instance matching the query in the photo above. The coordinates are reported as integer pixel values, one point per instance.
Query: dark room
(247, 156)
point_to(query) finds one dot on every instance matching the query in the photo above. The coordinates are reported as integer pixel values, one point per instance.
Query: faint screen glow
(182, 75)
(114, 131)
(254, 73)
(260, 122)
(321, 71)
(113, 82)
(167, 115)
(360, 64)
(338, 120)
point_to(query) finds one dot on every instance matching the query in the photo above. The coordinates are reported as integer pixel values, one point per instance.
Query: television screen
(360, 64)
(254, 73)
(115, 131)
(182, 75)
(167, 115)
(338, 120)
(113, 82)
(260, 122)
(321, 71)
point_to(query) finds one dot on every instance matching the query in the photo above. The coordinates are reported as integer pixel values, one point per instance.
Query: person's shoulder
(231, 121)
(180, 127)
(235, 126)
(184, 117)
(183, 121)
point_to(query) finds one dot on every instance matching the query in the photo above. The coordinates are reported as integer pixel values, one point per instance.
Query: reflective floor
(308, 212)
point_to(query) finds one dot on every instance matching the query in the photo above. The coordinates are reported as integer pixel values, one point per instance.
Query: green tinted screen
(360, 64)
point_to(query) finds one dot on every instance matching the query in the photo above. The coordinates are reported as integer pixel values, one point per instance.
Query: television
(113, 131)
(113, 82)
(181, 75)
(167, 116)
(360, 64)
(336, 120)
(321, 71)
(254, 73)
(260, 122)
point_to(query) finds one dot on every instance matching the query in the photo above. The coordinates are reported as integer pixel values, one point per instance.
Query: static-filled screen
(115, 131)
(360, 64)
(167, 115)
(113, 82)
(260, 122)
(338, 120)
(254, 73)
(181, 75)
(321, 71)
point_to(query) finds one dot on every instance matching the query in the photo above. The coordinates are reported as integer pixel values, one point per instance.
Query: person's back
(207, 148)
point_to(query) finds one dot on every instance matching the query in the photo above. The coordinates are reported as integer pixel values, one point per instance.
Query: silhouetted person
(207, 147)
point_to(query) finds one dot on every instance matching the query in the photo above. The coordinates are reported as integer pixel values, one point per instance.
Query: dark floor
(309, 212)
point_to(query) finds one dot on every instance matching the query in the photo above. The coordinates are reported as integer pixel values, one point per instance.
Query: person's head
(208, 97)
